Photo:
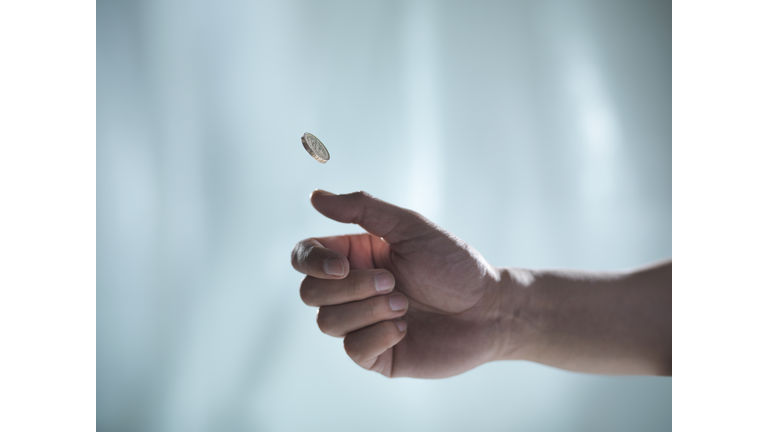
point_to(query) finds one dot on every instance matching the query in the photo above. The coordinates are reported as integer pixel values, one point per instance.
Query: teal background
(538, 131)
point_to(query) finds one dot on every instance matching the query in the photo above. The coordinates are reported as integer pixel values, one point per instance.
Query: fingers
(338, 320)
(358, 285)
(393, 223)
(366, 345)
(311, 258)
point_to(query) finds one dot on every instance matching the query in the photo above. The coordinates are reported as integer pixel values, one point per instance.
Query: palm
(446, 283)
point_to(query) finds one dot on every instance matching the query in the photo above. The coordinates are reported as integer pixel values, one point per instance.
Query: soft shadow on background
(539, 132)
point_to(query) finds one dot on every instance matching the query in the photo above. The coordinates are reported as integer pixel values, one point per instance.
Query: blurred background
(537, 131)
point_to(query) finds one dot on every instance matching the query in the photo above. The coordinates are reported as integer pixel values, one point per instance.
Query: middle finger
(358, 285)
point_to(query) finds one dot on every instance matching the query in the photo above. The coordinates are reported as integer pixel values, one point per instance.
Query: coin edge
(311, 151)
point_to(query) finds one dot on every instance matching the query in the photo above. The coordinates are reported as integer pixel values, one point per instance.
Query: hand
(436, 311)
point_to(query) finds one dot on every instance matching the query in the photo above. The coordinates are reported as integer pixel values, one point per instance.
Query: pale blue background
(539, 132)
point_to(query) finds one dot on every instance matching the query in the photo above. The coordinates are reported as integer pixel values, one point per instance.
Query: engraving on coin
(315, 148)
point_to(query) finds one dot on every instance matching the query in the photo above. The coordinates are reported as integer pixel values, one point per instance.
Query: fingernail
(323, 192)
(333, 266)
(384, 282)
(397, 302)
(401, 325)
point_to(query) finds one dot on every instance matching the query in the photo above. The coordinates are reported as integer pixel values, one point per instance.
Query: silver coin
(315, 148)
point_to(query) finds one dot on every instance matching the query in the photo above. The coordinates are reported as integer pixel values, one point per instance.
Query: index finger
(313, 259)
(394, 224)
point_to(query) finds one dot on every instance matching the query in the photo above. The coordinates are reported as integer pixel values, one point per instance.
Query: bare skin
(441, 309)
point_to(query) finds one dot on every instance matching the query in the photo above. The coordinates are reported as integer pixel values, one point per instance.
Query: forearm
(594, 322)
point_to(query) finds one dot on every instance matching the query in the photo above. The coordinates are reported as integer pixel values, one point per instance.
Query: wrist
(518, 325)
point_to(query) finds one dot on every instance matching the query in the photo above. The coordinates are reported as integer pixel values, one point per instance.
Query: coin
(315, 148)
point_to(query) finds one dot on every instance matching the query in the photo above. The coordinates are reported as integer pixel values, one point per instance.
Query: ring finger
(338, 320)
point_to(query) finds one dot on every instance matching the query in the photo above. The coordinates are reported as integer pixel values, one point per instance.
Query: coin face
(315, 148)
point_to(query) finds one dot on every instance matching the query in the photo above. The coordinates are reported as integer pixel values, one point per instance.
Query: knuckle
(306, 292)
(393, 333)
(361, 196)
(351, 349)
(355, 287)
(372, 307)
(322, 320)
(326, 322)
(389, 333)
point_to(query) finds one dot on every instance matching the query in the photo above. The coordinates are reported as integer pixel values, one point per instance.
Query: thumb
(394, 224)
